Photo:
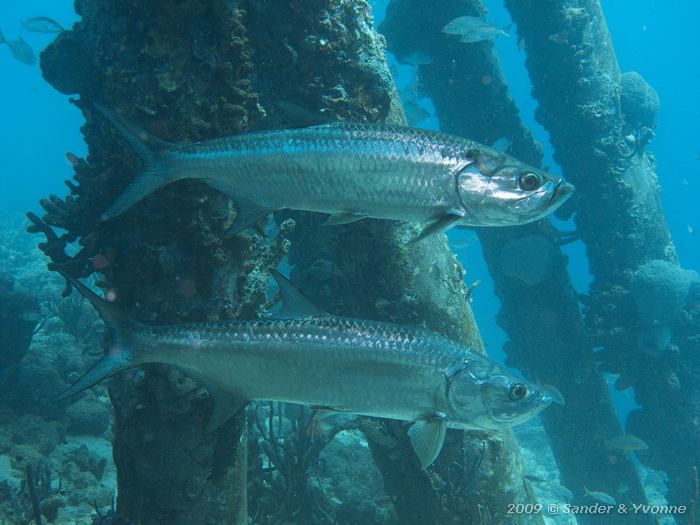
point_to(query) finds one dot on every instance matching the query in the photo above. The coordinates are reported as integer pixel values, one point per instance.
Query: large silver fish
(351, 171)
(309, 357)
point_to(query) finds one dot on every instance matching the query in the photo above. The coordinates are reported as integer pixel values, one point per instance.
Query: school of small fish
(19, 48)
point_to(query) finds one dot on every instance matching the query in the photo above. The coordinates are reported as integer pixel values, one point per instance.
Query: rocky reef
(54, 455)
(18, 318)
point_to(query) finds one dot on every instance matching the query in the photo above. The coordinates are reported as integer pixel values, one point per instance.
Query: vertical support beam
(369, 269)
(183, 72)
(539, 308)
(600, 123)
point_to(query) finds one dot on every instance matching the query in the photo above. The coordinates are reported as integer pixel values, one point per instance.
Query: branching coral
(286, 441)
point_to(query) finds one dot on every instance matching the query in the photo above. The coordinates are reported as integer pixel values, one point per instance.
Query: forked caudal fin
(153, 175)
(119, 357)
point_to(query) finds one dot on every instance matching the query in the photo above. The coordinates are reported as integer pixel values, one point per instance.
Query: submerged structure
(199, 70)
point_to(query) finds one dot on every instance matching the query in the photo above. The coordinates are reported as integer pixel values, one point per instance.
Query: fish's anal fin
(248, 212)
(294, 304)
(337, 219)
(445, 222)
(225, 404)
(427, 436)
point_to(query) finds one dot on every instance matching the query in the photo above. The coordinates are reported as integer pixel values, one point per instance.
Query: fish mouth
(542, 401)
(552, 394)
(562, 191)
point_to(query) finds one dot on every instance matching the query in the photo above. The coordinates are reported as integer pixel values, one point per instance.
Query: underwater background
(64, 451)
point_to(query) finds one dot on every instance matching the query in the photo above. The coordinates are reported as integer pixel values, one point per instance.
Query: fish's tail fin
(152, 151)
(119, 356)
(508, 29)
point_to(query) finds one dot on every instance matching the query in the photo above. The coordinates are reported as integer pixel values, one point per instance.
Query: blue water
(649, 37)
(658, 39)
(40, 125)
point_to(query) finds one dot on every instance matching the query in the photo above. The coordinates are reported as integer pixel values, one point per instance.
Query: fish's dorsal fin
(501, 145)
(294, 304)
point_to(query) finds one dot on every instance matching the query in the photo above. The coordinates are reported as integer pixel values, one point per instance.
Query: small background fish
(41, 24)
(20, 50)
(418, 58)
(474, 29)
(628, 443)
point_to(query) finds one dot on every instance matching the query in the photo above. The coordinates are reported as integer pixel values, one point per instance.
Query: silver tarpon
(352, 172)
(309, 357)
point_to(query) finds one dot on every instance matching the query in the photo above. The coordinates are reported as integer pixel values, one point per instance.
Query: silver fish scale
(394, 341)
(381, 172)
(365, 367)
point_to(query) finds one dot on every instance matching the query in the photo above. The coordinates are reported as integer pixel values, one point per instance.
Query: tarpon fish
(309, 357)
(352, 172)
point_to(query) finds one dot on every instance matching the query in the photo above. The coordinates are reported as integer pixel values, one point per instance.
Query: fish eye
(517, 391)
(530, 181)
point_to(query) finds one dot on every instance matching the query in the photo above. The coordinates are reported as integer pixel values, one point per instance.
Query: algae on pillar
(182, 71)
(600, 122)
(369, 269)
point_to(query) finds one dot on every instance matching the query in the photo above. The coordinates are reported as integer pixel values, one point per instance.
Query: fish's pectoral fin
(294, 304)
(225, 404)
(248, 212)
(427, 436)
(445, 222)
(337, 219)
